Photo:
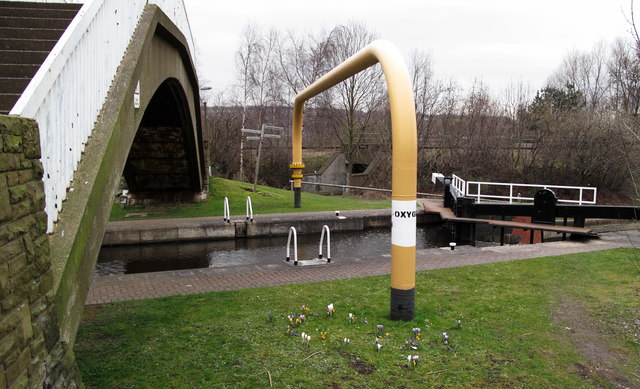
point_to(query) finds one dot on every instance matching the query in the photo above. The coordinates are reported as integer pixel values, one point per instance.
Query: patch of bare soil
(602, 361)
(357, 364)
(91, 312)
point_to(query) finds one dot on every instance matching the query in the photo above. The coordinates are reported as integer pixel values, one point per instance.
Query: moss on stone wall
(31, 351)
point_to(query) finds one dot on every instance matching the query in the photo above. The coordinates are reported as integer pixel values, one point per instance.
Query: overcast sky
(496, 41)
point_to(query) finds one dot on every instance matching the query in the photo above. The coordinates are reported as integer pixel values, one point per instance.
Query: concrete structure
(334, 171)
(213, 228)
(136, 112)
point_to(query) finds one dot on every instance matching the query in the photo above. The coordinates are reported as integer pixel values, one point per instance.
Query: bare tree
(587, 72)
(258, 81)
(301, 61)
(352, 103)
(624, 70)
(223, 121)
(427, 92)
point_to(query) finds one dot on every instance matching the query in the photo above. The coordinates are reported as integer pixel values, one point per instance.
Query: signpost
(260, 139)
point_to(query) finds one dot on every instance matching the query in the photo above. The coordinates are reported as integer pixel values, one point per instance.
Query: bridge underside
(162, 165)
(156, 145)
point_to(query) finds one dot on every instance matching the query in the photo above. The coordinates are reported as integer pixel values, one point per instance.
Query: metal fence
(513, 192)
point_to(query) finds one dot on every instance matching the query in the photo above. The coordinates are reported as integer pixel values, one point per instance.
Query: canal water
(345, 246)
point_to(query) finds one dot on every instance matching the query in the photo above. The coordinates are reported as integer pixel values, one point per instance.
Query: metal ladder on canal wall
(227, 213)
(320, 259)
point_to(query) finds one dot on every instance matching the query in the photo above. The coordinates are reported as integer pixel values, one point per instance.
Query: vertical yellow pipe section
(296, 141)
(404, 160)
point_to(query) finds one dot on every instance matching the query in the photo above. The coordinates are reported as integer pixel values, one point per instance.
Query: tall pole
(260, 138)
(207, 137)
(255, 178)
(244, 118)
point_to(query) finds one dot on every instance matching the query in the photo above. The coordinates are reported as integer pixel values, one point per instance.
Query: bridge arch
(162, 164)
(156, 72)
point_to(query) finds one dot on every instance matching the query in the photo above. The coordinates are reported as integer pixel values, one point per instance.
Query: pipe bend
(401, 102)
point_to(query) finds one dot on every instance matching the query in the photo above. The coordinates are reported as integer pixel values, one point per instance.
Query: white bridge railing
(513, 192)
(459, 185)
(67, 93)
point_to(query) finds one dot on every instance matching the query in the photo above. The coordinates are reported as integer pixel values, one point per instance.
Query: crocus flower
(415, 359)
(330, 310)
(380, 327)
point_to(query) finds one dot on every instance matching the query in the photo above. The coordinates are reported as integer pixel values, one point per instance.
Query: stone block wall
(31, 352)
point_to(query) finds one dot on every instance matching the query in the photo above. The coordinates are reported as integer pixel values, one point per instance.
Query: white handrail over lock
(249, 209)
(227, 214)
(292, 231)
(325, 228)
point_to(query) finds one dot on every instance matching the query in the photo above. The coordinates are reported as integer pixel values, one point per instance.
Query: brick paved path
(151, 285)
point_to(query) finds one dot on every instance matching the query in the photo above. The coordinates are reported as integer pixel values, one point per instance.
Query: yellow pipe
(404, 152)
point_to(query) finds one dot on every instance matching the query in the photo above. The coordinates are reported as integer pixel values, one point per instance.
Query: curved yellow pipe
(404, 143)
(403, 118)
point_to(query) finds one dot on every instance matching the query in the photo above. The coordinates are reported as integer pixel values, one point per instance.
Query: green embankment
(522, 324)
(265, 200)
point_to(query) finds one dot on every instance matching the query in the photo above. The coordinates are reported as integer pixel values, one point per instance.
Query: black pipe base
(296, 197)
(403, 304)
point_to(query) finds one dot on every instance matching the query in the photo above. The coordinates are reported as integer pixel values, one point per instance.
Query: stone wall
(32, 354)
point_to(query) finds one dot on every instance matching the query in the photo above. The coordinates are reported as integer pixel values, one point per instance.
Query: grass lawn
(536, 323)
(264, 200)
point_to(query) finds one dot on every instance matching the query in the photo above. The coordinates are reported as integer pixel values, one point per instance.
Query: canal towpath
(107, 289)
